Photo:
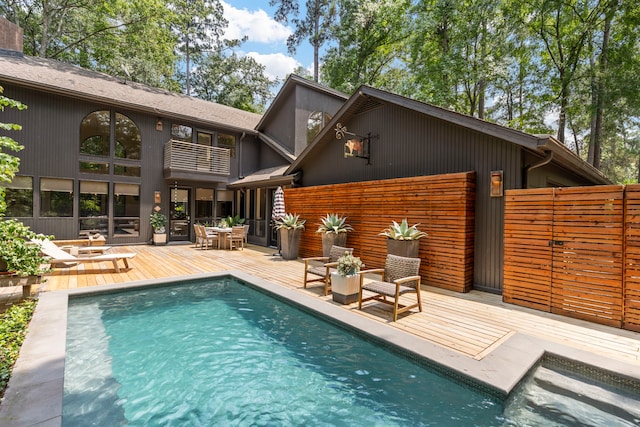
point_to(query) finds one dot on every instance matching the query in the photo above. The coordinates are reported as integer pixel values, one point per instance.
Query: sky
(267, 39)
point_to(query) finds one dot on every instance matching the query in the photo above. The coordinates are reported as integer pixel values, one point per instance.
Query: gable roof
(287, 88)
(368, 98)
(64, 79)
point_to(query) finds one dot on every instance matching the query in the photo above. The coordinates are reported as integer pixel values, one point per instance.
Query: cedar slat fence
(443, 205)
(575, 251)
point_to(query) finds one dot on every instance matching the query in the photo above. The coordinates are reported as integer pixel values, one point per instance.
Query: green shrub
(13, 329)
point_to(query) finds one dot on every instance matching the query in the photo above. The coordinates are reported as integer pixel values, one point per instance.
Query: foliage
(9, 163)
(334, 223)
(231, 221)
(158, 221)
(348, 265)
(13, 330)
(290, 222)
(402, 231)
(16, 249)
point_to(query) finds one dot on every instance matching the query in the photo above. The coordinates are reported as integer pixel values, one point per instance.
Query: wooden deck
(472, 324)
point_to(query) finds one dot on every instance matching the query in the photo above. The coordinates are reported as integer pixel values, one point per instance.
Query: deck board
(472, 324)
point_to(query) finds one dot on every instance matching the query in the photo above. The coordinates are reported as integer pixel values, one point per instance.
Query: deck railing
(185, 156)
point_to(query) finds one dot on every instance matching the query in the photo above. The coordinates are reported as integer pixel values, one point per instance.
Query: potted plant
(22, 264)
(158, 222)
(402, 239)
(345, 282)
(290, 227)
(334, 229)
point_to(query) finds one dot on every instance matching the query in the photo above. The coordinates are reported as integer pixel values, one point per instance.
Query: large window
(204, 206)
(19, 197)
(94, 206)
(181, 132)
(317, 120)
(56, 197)
(95, 134)
(224, 203)
(127, 138)
(126, 210)
(229, 142)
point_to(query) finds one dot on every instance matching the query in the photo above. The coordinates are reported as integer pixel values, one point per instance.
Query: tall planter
(330, 239)
(405, 248)
(290, 243)
(345, 289)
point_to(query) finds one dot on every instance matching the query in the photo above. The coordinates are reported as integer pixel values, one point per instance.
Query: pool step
(556, 398)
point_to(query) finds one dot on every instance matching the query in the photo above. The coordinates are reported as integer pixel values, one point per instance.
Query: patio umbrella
(278, 210)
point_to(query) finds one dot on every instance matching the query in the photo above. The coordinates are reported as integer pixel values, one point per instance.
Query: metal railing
(186, 156)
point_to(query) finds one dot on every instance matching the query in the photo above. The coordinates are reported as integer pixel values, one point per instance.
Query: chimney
(11, 37)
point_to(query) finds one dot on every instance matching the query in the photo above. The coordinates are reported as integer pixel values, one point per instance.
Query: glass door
(179, 218)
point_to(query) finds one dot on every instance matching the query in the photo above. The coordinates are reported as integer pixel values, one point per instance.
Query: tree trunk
(596, 138)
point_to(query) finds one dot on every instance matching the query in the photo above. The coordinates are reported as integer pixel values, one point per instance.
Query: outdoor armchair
(400, 276)
(316, 273)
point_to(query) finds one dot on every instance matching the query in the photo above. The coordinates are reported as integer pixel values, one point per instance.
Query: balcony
(184, 160)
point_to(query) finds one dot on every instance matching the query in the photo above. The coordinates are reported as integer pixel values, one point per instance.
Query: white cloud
(277, 64)
(257, 25)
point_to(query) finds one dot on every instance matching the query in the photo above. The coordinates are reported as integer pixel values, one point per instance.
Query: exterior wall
(51, 133)
(280, 127)
(307, 102)
(406, 143)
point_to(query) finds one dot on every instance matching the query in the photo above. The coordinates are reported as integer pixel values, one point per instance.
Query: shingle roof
(65, 79)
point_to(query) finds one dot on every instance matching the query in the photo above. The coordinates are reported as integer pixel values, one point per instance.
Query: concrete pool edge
(35, 392)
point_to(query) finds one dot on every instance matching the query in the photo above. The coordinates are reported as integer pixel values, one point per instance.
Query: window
(94, 206)
(124, 170)
(229, 142)
(181, 132)
(95, 134)
(204, 206)
(94, 167)
(126, 210)
(56, 197)
(317, 120)
(19, 197)
(127, 143)
(224, 203)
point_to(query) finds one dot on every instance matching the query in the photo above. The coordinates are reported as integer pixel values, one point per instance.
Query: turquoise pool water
(219, 353)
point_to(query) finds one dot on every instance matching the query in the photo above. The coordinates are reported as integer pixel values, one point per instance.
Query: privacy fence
(575, 251)
(443, 205)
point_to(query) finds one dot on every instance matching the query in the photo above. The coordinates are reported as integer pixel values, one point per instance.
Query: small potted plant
(334, 229)
(345, 282)
(290, 227)
(158, 222)
(402, 239)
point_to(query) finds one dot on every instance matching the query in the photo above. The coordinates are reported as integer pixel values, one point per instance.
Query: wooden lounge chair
(323, 273)
(57, 256)
(400, 276)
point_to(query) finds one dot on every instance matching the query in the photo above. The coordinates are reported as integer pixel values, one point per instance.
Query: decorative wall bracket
(357, 146)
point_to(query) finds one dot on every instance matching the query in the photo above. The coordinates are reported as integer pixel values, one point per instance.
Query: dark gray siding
(406, 143)
(280, 127)
(307, 102)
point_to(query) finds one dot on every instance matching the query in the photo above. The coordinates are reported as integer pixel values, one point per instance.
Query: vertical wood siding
(443, 205)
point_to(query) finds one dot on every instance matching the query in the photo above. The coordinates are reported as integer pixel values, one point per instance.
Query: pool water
(219, 352)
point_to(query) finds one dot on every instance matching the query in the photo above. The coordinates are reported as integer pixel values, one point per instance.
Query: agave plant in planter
(334, 229)
(402, 239)
(290, 227)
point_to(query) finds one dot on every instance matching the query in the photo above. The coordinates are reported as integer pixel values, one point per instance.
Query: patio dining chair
(400, 276)
(322, 273)
(236, 238)
(203, 237)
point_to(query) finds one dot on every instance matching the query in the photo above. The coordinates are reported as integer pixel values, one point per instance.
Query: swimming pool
(219, 352)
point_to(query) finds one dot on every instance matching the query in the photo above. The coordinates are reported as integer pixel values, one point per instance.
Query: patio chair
(400, 276)
(323, 273)
(58, 257)
(236, 238)
(204, 237)
(245, 242)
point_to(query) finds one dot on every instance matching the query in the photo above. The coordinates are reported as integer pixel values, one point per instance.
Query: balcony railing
(188, 157)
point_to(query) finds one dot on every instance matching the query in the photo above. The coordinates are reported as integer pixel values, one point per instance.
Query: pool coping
(35, 391)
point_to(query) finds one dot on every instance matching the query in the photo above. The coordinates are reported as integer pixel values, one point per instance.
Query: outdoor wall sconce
(497, 185)
(159, 125)
(359, 146)
(157, 198)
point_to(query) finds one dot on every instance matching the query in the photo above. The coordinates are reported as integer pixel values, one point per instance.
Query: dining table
(223, 235)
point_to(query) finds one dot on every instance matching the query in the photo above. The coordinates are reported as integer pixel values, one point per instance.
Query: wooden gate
(564, 251)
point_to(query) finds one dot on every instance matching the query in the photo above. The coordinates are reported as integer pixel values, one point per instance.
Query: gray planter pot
(330, 239)
(405, 248)
(290, 243)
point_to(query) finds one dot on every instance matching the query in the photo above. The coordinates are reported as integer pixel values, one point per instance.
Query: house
(102, 153)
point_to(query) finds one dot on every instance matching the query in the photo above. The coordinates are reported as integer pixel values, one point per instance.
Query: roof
(264, 177)
(367, 98)
(64, 79)
(289, 85)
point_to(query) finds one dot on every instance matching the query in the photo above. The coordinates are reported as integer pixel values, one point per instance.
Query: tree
(315, 26)
(9, 163)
